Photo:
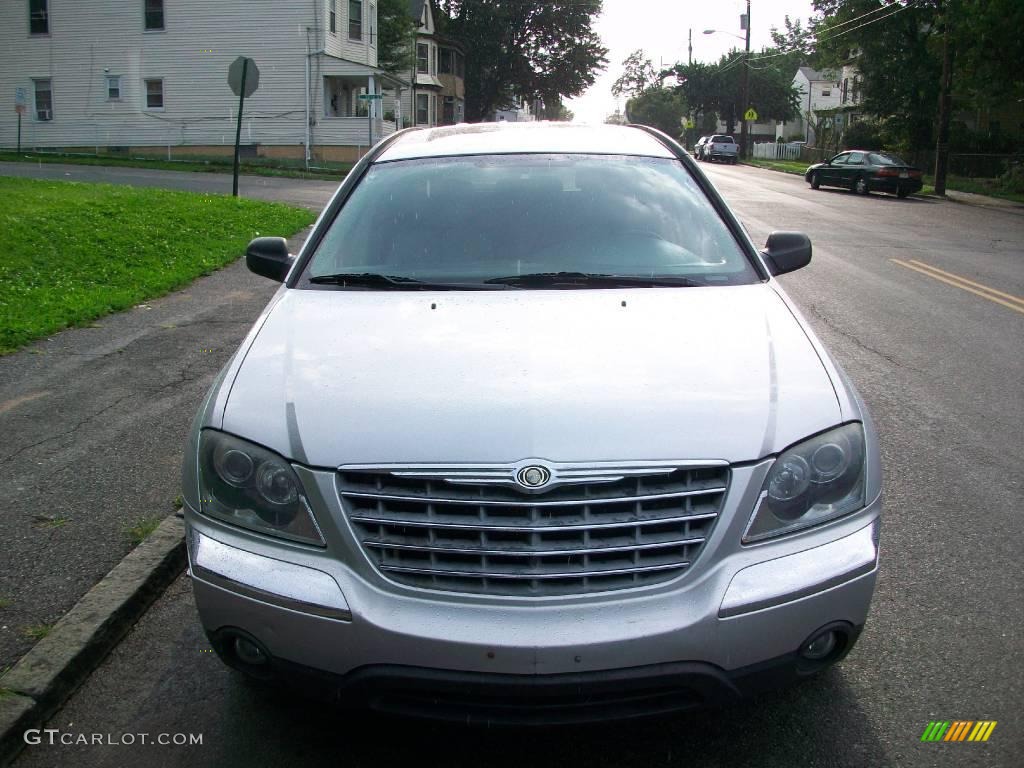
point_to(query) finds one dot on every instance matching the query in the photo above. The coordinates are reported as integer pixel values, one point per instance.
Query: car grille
(471, 529)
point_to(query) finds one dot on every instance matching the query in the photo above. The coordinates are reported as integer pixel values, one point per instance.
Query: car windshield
(884, 158)
(477, 218)
(724, 139)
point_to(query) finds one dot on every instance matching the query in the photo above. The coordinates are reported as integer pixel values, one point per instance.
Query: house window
(422, 109)
(449, 110)
(113, 87)
(460, 65)
(43, 99)
(154, 94)
(445, 65)
(38, 18)
(332, 14)
(423, 58)
(355, 19)
(373, 25)
(826, 92)
(154, 13)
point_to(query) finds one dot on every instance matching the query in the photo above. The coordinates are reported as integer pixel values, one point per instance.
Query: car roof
(514, 138)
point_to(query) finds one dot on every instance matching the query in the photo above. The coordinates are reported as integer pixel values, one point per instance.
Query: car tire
(901, 193)
(860, 186)
(815, 184)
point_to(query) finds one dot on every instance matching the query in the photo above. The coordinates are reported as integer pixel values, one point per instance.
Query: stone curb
(41, 681)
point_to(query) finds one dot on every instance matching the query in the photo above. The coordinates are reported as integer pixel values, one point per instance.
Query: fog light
(820, 646)
(249, 653)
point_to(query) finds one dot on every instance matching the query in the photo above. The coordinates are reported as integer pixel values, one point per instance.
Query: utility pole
(746, 87)
(945, 108)
(689, 57)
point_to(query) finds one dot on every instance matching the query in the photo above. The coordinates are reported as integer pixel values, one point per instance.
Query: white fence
(773, 150)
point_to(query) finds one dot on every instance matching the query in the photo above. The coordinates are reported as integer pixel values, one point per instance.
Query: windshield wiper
(592, 280)
(393, 282)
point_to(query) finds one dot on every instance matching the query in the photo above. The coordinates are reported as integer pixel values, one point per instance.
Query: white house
(151, 76)
(821, 90)
(438, 93)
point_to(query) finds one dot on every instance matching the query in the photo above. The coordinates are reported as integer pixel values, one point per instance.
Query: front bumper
(569, 698)
(738, 609)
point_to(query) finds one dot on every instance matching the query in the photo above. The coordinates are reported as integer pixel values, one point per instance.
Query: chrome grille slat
(561, 575)
(537, 528)
(536, 552)
(471, 528)
(508, 503)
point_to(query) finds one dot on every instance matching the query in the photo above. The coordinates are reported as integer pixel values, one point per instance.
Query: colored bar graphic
(958, 730)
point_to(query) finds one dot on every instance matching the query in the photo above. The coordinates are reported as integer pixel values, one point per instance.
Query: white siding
(89, 40)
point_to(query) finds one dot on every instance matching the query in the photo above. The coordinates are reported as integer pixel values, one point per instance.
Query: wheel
(860, 186)
(901, 193)
(815, 184)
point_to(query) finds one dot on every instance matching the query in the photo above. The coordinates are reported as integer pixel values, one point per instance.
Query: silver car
(531, 433)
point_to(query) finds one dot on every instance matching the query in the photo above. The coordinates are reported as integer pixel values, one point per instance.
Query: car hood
(337, 377)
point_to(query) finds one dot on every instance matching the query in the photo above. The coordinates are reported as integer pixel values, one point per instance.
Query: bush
(863, 134)
(1013, 179)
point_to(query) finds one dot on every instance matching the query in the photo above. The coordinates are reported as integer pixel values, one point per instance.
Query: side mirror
(269, 257)
(787, 252)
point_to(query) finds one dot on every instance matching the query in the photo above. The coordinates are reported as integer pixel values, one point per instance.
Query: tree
(717, 87)
(523, 50)
(637, 77)
(396, 36)
(895, 50)
(795, 38)
(661, 108)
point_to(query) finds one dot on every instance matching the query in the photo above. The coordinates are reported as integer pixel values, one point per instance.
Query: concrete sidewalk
(93, 422)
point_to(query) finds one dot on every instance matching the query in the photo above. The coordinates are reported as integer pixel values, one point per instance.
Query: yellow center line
(958, 284)
(1009, 296)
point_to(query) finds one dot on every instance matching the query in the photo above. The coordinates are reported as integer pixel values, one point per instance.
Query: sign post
(370, 97)
(244, 79)
(20, 100)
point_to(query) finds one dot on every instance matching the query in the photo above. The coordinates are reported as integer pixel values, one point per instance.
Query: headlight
(817, 480)
(243, 484)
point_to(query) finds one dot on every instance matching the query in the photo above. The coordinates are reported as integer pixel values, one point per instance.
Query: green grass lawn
(257, 167)
(786, 166)
(76, 252)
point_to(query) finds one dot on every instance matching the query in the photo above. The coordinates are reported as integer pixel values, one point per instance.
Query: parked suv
(531, 433)
(720, 147)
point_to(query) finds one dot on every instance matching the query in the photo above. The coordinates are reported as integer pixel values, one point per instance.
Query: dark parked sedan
(863, 172)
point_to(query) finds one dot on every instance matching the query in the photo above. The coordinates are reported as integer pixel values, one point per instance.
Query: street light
(745, 24)
(722, 32)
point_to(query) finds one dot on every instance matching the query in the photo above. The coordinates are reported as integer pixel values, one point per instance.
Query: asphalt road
(942, 371)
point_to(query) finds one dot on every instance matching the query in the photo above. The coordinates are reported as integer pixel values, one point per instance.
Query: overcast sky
(660, 27)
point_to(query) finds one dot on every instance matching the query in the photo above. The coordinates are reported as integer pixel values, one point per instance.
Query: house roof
(818, 75)
(335, 66)
(416, 9)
